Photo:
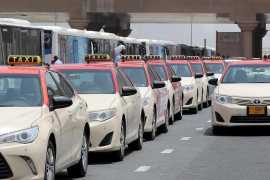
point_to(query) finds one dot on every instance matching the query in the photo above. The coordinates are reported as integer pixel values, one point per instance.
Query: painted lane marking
(185, 138)
(143, 169)
(199, 129)
(167, 151)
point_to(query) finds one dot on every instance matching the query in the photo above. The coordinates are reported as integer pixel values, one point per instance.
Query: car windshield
(160, 70)
(255, 73)
(216, 68)
(197, 68)
(91, 81)
(182, 70)
(136, 75)
(19, 90)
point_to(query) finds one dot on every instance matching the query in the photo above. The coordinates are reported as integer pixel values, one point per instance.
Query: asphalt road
(189, 151)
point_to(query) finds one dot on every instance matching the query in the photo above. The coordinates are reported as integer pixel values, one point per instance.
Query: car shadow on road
(240, 131)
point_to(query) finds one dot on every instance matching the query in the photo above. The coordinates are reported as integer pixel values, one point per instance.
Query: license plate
(257, 110)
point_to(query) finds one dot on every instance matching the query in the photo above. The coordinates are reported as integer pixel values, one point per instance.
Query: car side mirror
(210, 74)
(176, 79)
(59, 102)
(213, 82)
(198, 75)
(129, 91)
(158, 84)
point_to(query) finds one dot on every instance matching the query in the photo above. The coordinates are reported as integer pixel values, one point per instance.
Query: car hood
(245, 90)
(18, 118)
(97, 102)
(187, 81)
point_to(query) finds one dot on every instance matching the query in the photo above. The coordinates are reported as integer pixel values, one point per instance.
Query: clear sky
(182, 32)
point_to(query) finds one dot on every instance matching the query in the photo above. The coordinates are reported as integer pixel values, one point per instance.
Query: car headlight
(24, 136)
(188, 87)
(224, 99)
(102, 115)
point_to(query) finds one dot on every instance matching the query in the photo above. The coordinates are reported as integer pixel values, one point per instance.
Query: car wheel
(196, 108)
(138, 143)
(80, 169)
(50, 162)
(200, 106)
(171, 119)
(152, 135)
(179, 115)
(164, 127)
(120, 154)
(206, 104)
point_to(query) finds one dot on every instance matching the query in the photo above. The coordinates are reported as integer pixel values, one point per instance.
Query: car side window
(65, 86)
(53, 89)
(127, 81)
(153, 75)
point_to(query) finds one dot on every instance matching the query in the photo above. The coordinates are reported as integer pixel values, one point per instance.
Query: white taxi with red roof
(173, 85)
(44, 126)
(153, 91)
(198, 67)
(190, 86)
(242, 98)
(214, 64)
(115, 109)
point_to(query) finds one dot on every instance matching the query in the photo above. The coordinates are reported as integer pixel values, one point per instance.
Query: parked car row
(55, 115)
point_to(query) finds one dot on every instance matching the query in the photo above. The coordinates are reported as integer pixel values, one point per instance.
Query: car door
(161, 96)
(61, 123)
(76, 112)
(130, 104)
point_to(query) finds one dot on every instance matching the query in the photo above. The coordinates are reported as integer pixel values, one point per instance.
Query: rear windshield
(19, 90)
(216, 68)
(182, 70)
(160, 70)
(197, 68)
(91, 81)
(136, 75)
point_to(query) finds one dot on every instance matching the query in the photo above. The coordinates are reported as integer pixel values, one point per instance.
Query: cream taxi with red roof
(189, 83)
(115, 110)
(173, 85)
(197, 66)
(153, 91)
(242, 97)
(215, 65)
(44, 125)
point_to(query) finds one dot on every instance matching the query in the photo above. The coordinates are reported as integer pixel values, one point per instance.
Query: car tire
(200, 106)
(165, 126)
(171, 120)
(179, 115)
(196, 108)
(120, 154)
(80, 169)
(50, 162)
(206, 104)
(150, 136)
(138, 143)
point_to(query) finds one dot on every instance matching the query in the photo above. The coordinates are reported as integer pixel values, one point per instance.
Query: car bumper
(235, 115)
(189, 100)
(19, 158)
(105, 136)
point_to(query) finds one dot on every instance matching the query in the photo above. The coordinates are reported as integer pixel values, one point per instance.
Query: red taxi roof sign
(153, 57)
(131, 57)
(97, 57)
(178, 57)
(212, 58)
(24, 60)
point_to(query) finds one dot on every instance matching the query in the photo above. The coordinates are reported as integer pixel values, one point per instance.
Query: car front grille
(248, 119)
(5, 171)
(248, 101)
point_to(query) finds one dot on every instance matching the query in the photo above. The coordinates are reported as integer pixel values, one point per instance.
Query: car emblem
(256, 101)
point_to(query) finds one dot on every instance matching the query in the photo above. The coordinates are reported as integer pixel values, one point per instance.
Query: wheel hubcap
(154, 125)
(141, 134)
(50, 165)
(84, 153)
